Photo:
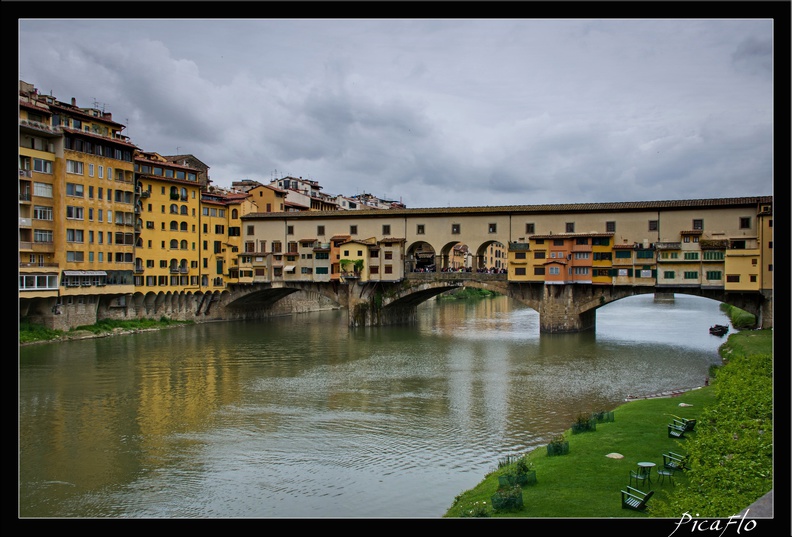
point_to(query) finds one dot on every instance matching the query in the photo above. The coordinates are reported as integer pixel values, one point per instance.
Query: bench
(687, 425)
(674, 461)
(635, 499)
(675, 431)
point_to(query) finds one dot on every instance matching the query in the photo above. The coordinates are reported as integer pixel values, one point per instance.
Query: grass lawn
(586, 482)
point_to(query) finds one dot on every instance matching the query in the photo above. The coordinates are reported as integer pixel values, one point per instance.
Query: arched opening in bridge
(421, 258)
(455, 257)
(491, 256)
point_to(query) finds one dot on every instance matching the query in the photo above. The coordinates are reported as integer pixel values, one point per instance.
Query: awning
(289, 268)
(84, 273)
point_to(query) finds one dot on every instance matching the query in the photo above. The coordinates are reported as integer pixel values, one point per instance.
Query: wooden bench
(635, 499)
(674, 461)
(687, 425)
(675, 431)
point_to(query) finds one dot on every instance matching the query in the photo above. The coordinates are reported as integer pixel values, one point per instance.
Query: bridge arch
(420, 255)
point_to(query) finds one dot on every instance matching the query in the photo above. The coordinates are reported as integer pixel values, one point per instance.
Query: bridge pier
(560, 312)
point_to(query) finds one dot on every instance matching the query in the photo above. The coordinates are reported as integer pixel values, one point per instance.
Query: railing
(451, 276)
(34, 265)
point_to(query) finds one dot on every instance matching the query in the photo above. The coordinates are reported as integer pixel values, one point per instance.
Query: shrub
(508, 498)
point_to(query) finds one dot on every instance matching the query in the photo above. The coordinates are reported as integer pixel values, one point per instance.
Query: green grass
(740, 319)
(731, 451)
(585, 483)
(465, 293)
(31, 333)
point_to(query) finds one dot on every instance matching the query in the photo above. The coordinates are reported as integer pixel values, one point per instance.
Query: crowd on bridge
(480, 270)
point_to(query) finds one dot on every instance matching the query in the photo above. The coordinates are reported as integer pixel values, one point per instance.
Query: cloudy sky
(435, 112)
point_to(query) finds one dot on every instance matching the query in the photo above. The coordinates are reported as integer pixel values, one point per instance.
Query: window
(73, 189)
(249, 230)
(691, 275)
(42, 166)
(420, 229)
(555, 270)
(386, 230)
(353, 230)
(653, 225)
(623, 254)
(712, 255)
(388, 254)
(219, 229)
(75, 213)
(745, 222)
(320, 230)
(539, 255)
(289, 230)
(669, 274)
(581, 255)
(75, 256)
(558, 242)
(492, 228)
(42, 235)
(42, 190)
(90, 170)
(519, 255)
(539, 271)
(714, 275)
(733, 278)
(42, 213)
(530, 228)
(698, 224)
(388, 269)
(74, 166)
(610, 227)
(456, 229)
(570, 227)
(519, 271)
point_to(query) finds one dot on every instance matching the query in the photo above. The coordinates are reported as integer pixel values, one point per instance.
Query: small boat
(719, 330)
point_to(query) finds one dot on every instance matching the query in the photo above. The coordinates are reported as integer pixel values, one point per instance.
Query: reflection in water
(301, 416)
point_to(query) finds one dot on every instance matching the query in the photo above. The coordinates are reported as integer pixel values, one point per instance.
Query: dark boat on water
(719, 330)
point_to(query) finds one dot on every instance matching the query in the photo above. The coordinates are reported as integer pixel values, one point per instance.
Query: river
(302, 416)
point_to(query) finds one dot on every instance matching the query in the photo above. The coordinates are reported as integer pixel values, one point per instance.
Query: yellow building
(173, 251)
(76, 212)
(236, 205)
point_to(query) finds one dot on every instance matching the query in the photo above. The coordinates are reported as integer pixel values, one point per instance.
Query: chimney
(74, 101)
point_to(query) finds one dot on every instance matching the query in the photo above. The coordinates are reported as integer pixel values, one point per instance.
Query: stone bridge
(561, 308)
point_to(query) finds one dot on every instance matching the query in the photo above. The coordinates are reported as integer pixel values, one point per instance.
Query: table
(646, 467)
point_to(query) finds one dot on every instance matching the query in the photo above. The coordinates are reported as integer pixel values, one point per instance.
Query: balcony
(27, 124)
(38, 265)
(26, 173)
(25, 222)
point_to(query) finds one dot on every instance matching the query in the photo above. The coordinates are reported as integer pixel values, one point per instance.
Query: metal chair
(666, 472)
(639, 475)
